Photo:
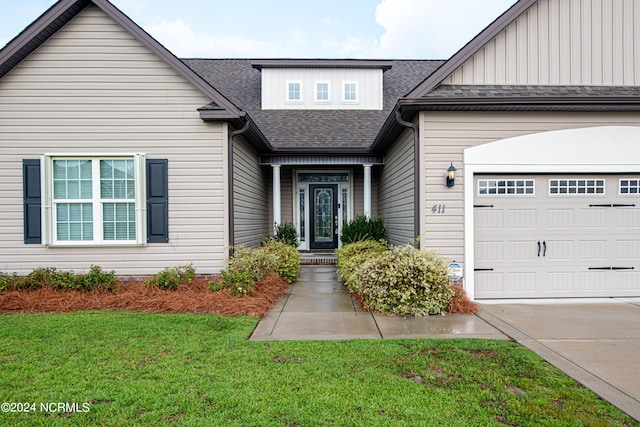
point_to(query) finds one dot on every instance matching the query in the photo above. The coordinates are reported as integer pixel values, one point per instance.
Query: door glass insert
(576, 186)
(302, 215)
(323, 214)
(345, 205)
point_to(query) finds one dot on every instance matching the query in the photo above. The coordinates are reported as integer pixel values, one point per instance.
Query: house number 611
(437, 209)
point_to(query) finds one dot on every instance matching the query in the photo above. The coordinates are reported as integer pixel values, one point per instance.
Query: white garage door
(541, 236)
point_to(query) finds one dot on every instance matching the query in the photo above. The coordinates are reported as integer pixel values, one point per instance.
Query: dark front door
(324, 216)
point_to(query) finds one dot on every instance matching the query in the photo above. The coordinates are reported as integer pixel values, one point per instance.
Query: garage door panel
(593, 250)
(490, 219)
(522, 219)
(560, 218)
(560, 281)
(490, 283)
(558, 250)
(592, 281)
(490, 251)
(522, 250)
(628, 250)
(593, 218)
(587, 225)
(521, 282)
(626, 281)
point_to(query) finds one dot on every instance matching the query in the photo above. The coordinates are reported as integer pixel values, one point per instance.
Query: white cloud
(181, 40)
(432, 29)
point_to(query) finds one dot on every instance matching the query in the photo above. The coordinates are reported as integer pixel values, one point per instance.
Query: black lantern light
(451, 175)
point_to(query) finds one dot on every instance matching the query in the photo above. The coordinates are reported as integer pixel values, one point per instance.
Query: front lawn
(120, 368)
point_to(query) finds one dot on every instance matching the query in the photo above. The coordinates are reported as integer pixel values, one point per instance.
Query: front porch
(319, 194)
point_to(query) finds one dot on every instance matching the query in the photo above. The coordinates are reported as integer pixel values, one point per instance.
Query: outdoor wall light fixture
(451, 176)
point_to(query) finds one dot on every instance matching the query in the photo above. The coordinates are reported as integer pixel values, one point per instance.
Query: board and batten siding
(274, 88)
(250, 196)
(562, 42)
(445, 135)
(93, 88)
(396, 185)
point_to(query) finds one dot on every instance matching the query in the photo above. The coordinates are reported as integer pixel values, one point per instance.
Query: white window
(322, 91)
(350, 92)
(629, 186)
(576, 186)
(94, 200)
(294, 91)
(506, 187)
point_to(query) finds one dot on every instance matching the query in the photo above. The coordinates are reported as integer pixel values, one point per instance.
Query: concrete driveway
(595, 341)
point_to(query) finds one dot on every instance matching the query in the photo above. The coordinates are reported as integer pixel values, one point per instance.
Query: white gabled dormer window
(294, 91)
(322, 92)
(350, 92)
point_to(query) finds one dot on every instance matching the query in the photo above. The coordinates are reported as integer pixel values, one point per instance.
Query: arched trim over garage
(608, 149)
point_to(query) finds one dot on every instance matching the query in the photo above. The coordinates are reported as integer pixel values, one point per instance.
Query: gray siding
(93, 89)
(250, 196)
(445, 135)
(395, 190)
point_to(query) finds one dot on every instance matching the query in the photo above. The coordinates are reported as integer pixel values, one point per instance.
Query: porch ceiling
(324, 160)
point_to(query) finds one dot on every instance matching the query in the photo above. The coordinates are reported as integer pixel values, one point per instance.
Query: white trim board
(605, 149)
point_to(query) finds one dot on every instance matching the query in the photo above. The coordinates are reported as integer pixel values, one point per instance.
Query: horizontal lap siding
(250, 196)
(444, 136)
(395, 190)
(93, 88)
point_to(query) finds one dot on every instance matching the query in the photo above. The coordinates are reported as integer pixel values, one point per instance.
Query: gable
(561, 42)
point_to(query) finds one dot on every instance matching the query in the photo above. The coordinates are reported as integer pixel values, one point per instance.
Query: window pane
(117, 179)
(294, 92)
(72, 179)
(322, 91)
(74, 221)
(349, 91)
(119, 221)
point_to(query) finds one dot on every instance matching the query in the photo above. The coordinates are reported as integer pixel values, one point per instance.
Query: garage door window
(630, 186)
(576, 186)
(506, 187)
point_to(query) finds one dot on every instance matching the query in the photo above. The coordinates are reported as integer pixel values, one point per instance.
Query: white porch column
(367, 190)
(276, 197)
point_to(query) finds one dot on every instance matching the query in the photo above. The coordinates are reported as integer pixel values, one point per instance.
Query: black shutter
(31, 193)
(157, 201)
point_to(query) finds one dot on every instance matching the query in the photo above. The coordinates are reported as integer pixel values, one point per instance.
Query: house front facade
(114, 152)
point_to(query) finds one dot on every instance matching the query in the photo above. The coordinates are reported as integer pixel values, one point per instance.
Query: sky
(334, 29)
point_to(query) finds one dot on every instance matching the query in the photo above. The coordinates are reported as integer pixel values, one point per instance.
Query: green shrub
(172, 278)
(240, 282)
(249, 266)
(287, 233)
(98, 279)
(286, 257)
(363, 228)
(52, 278)
(405, 281)
(353, 255)
(8, 281)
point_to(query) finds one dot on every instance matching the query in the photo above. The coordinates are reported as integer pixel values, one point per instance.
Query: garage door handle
(544, 248)
(538, 247)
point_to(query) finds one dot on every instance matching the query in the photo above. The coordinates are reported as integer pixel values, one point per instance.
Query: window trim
(316, 92)
(344, 93)
(628, 186)
(290, 100)
(48, 205)
(568, 186)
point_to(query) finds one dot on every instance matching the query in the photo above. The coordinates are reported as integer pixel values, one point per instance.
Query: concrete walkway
(318, 307)
(597, 342)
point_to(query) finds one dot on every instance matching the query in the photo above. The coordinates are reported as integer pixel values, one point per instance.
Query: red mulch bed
(196, 297)
(133, 295)
(460, 303)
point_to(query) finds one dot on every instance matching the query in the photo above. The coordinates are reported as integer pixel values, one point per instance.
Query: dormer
(322, 84)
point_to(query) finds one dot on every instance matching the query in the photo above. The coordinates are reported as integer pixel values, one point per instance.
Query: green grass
(150, 369)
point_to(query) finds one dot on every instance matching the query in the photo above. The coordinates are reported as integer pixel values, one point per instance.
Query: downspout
(230, 194)
(416, 175)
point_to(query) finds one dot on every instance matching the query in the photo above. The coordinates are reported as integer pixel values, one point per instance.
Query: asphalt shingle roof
(314, 130)
(528, 91)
